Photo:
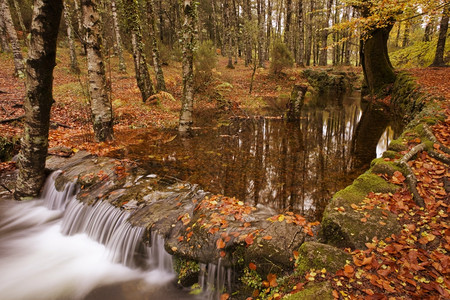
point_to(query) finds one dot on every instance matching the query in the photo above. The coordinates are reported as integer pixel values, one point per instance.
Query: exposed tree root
(429, 134)
(411, 179)
(12, 119)
(440, 157)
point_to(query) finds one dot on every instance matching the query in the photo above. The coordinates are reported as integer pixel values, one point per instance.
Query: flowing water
(59, 248)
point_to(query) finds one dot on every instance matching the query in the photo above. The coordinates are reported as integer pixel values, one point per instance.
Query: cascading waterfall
(60, 248)
(214, 280)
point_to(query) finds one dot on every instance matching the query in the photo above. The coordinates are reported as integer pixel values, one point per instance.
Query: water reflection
(268, 161)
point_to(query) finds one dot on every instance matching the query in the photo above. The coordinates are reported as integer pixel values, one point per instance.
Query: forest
(255, 149)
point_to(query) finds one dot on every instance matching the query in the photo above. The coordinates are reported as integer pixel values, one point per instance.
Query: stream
(58, 248)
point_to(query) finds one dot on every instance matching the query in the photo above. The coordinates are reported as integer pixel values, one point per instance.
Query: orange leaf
(249, 239)
(223, 253)
(272, 279)
(224, 296)
(252, 266)
(220, 244)
(267, 237)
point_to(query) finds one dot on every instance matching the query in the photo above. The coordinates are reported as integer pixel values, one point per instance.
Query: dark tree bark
(261, 25)
(187, 105)
(440, 48)
(140, 62)
(38, 101)
(248, 37)
(3, 36)
(20, 18)
(287, 25)
(19, 68)
(101, 109)
(378, 70)
(228, 34)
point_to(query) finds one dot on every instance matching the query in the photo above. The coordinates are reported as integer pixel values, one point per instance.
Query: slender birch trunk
(19, 68)
(119, 44)
(189, 41)
(261, 26)
(248, 33)
(72, 49)
(39, 98)
(140, 62)
(101, 110)
(160, 82)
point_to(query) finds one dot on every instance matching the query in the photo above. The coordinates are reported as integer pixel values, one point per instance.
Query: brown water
(284, 165)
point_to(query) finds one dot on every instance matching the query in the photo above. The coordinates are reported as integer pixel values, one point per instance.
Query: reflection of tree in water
(285, 165)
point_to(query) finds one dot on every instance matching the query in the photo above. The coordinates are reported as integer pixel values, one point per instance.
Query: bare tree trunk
(269, 28)
(309, 44)
(102, 117)
(73, 55)
(440, 48)
(140, 62)
(160, 82)
(323, 56)
(287, 25)
(405, 41)
(301, 35)
(428, 31)
(81, 33)
(261, 26)
(187, 105)
(228, 33)
(3, 36)
(22, 25)
(248, 34)
(19, 68)
(39, 98)
(119, 44)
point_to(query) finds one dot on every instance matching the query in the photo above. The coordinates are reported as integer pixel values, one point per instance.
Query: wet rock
(337, 81)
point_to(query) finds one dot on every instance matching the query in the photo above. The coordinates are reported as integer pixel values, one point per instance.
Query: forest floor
(414, 264)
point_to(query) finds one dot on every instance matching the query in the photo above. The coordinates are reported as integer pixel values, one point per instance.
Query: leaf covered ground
(411, 265)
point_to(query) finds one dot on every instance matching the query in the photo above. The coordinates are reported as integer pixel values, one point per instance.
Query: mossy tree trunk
(38, 100)
(69, 27)
(80, 33)
(119, 44)
(296, 102)
(140, 61)
(19, 68)
(160, 82)
(189, 41)
(101, 110)
(440, 48)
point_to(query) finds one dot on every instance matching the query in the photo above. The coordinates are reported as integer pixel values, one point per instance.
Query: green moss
(187, 270)
(397, 145)
(313, 255)
(313, 291)
(362, 185)
(391, 154)
(380, 166)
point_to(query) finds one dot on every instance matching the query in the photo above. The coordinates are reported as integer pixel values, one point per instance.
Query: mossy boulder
(313, 291)
(341, 223)
(380, 166)
(313, 255)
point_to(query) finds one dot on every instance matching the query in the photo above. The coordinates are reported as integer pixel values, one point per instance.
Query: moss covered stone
(341, 224)
(314, 291)
(313, 255)
(391, 154)
(397, 145)
(380, 166)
